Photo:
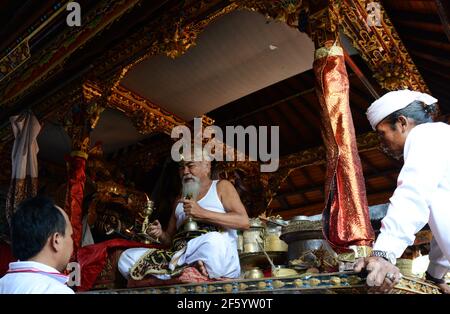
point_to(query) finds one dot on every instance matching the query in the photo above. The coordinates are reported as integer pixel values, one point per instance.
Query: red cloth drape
(74, 197)
(92, 259)
(6, 257)
(346, 218)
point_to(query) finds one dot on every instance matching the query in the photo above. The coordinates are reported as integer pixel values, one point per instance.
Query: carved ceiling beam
(378, 43)
(270, 182)
(305, 158)
(146, 116)
(317, 156)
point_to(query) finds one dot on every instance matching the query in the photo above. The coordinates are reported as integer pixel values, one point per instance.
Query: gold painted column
(346, 221)
(84, 117)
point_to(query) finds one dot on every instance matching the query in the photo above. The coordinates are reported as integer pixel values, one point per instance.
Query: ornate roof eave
(146, 116)
(181, 25)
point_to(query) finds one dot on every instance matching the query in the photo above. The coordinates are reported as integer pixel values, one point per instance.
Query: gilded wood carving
(380, 46)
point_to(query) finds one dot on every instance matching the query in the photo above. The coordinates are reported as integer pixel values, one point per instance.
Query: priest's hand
(192, 209)
(445, 288)
(382, 275)
(155, 230)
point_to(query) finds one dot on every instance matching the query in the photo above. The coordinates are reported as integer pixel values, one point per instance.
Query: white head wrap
(394, 101)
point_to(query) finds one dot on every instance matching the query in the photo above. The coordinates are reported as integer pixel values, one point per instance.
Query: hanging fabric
(24, 175)
(346, 219)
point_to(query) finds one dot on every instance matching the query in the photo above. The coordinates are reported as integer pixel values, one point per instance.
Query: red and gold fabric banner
(74, 196)
(346, 220)
(93, 258)
(24, 175)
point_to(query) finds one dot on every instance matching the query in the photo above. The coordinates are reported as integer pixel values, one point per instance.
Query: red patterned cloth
(346, 220)
(189, 275)
(92, 259)
(74, 197)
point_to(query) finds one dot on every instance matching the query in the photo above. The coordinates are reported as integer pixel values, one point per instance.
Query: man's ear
(55, 241)
(404, 123)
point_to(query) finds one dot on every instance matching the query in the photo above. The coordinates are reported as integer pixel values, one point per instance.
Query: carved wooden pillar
(346, 219)
(86, 109)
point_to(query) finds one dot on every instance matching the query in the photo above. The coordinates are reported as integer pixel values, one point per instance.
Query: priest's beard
(191, 187)
(391, 153)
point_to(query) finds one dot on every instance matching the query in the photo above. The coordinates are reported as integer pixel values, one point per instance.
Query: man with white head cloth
(403, 121)
(217, 211)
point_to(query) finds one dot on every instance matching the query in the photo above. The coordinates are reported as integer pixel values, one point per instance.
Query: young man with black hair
(41, 238)
(404, 122)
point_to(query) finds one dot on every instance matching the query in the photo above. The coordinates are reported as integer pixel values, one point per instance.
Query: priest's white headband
(393, 101)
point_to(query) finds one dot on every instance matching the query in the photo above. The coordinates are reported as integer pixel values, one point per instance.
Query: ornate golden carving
(84, 116)
(323, 22)
(207, 121)
(13, 60)
(146, 117)
(286, 11)
(367, 141)
(381, 47)
(271, 182)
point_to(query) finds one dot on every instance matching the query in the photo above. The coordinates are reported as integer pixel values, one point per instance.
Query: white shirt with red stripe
(33, 278)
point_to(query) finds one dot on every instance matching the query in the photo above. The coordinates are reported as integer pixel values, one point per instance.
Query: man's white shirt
(33, 278)
(422, 196)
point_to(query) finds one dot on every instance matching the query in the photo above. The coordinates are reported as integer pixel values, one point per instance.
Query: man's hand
(382, 275)
(155, 230)
(445, 288)
(192, 209)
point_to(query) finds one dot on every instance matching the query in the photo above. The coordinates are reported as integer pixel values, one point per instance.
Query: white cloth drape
(24, 154)
(25, 170)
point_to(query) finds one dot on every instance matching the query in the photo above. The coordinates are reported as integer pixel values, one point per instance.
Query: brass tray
(258, 259)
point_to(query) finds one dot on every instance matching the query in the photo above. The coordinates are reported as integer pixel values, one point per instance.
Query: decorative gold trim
(146, 116)
(323, 22)
(328, 52)
(77, 153)
(14, 59)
